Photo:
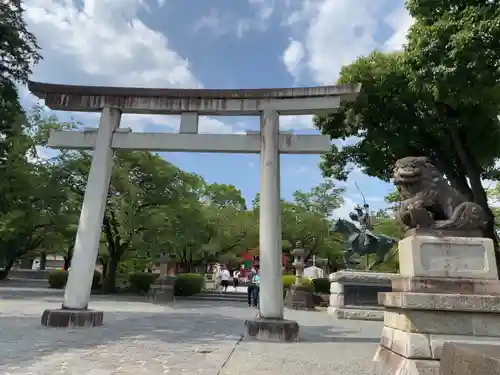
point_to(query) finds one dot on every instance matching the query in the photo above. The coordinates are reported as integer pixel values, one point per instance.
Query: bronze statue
(430, 202)
(362, 241)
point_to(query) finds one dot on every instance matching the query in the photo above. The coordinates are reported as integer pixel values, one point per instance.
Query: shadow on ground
(202, 325)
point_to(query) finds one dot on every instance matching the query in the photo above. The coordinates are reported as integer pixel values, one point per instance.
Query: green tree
(322, 199)
(18, 55)
(223, 195)
(393, 118)
(142, 184)
(31, 198)
(453, 54)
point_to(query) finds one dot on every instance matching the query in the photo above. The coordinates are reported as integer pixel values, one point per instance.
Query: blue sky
(216, 44)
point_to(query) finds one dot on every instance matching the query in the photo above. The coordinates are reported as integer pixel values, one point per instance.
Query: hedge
(321, 286)
(58, 279)
(187, 284)
(140, 282)
(288, 280)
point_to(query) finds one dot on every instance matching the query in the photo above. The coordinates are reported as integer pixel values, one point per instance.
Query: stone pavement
(187, 337)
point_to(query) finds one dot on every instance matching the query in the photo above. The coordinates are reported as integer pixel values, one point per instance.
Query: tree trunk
(68, 257)
(480, 196)
(43, 260)
(109, 276)
(5, 272)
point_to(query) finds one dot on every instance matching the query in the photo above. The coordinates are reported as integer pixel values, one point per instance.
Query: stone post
(270, 324)
(271, 292)
(75, 311)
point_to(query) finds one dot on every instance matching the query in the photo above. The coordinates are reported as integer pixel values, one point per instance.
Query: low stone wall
(29, 274)
(354, 294)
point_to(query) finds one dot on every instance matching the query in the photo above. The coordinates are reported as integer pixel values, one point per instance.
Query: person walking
(236, 279)
(250, 286)
(256, 289)
(225, 276)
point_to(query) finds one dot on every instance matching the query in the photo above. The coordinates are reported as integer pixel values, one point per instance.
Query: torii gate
(189, 104)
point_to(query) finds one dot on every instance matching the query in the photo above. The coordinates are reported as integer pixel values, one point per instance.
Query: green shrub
(58, 279)
(288, 280)
(140, 282)
(187, 284)
(321, 286)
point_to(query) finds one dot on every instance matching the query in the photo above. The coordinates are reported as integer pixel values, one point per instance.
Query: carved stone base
(299, 297)
(354, 294)
(423, 315)
(462, 359)
(69, 318)
(447, 257)
(399, 365)
(442, 232)
(162, 290)
(352, 313)
(279, 330)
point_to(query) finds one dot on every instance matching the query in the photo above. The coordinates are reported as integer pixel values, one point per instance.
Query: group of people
(253, 289)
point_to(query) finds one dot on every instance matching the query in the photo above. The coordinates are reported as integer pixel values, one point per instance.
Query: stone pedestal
(300, 297)
(69, 318)
(354, 294)
(448, 291)
(280, 330)
(466, 359)
(162, 290)
(210, 283)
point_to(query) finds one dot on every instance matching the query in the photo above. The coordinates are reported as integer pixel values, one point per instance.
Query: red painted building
(250, 259)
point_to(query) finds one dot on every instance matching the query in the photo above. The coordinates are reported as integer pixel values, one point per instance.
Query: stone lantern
(298, 263)
(163, 288)
(299, 296)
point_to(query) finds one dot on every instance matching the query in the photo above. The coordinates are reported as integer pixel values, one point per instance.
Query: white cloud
(296, 122)
(104, 42)
(220, 22)
(400, 21)
(212, 22)
(265, 8)
(343, 212)
(293, 57)
(339, 31)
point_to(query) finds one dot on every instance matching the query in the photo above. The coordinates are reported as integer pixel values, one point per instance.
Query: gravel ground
(182, 338)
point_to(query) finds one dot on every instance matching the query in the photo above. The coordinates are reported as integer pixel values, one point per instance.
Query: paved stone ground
(187, 337)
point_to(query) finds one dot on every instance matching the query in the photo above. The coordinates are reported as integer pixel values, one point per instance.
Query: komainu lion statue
(430, 201)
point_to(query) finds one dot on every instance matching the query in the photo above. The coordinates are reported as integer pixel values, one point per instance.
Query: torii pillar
(111, 102)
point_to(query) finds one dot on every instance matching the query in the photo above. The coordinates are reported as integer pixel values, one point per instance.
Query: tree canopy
(18, 55)
(437, 98)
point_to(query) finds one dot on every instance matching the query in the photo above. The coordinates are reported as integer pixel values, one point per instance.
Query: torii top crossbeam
(287, 101)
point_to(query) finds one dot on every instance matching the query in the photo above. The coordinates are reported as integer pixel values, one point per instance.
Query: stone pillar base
(279, 330)
(462, 359)
(423, 314)
(448, 291)
(68, 318)
(299, 297)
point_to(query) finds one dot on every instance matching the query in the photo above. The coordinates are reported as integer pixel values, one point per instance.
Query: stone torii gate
(189, 104)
